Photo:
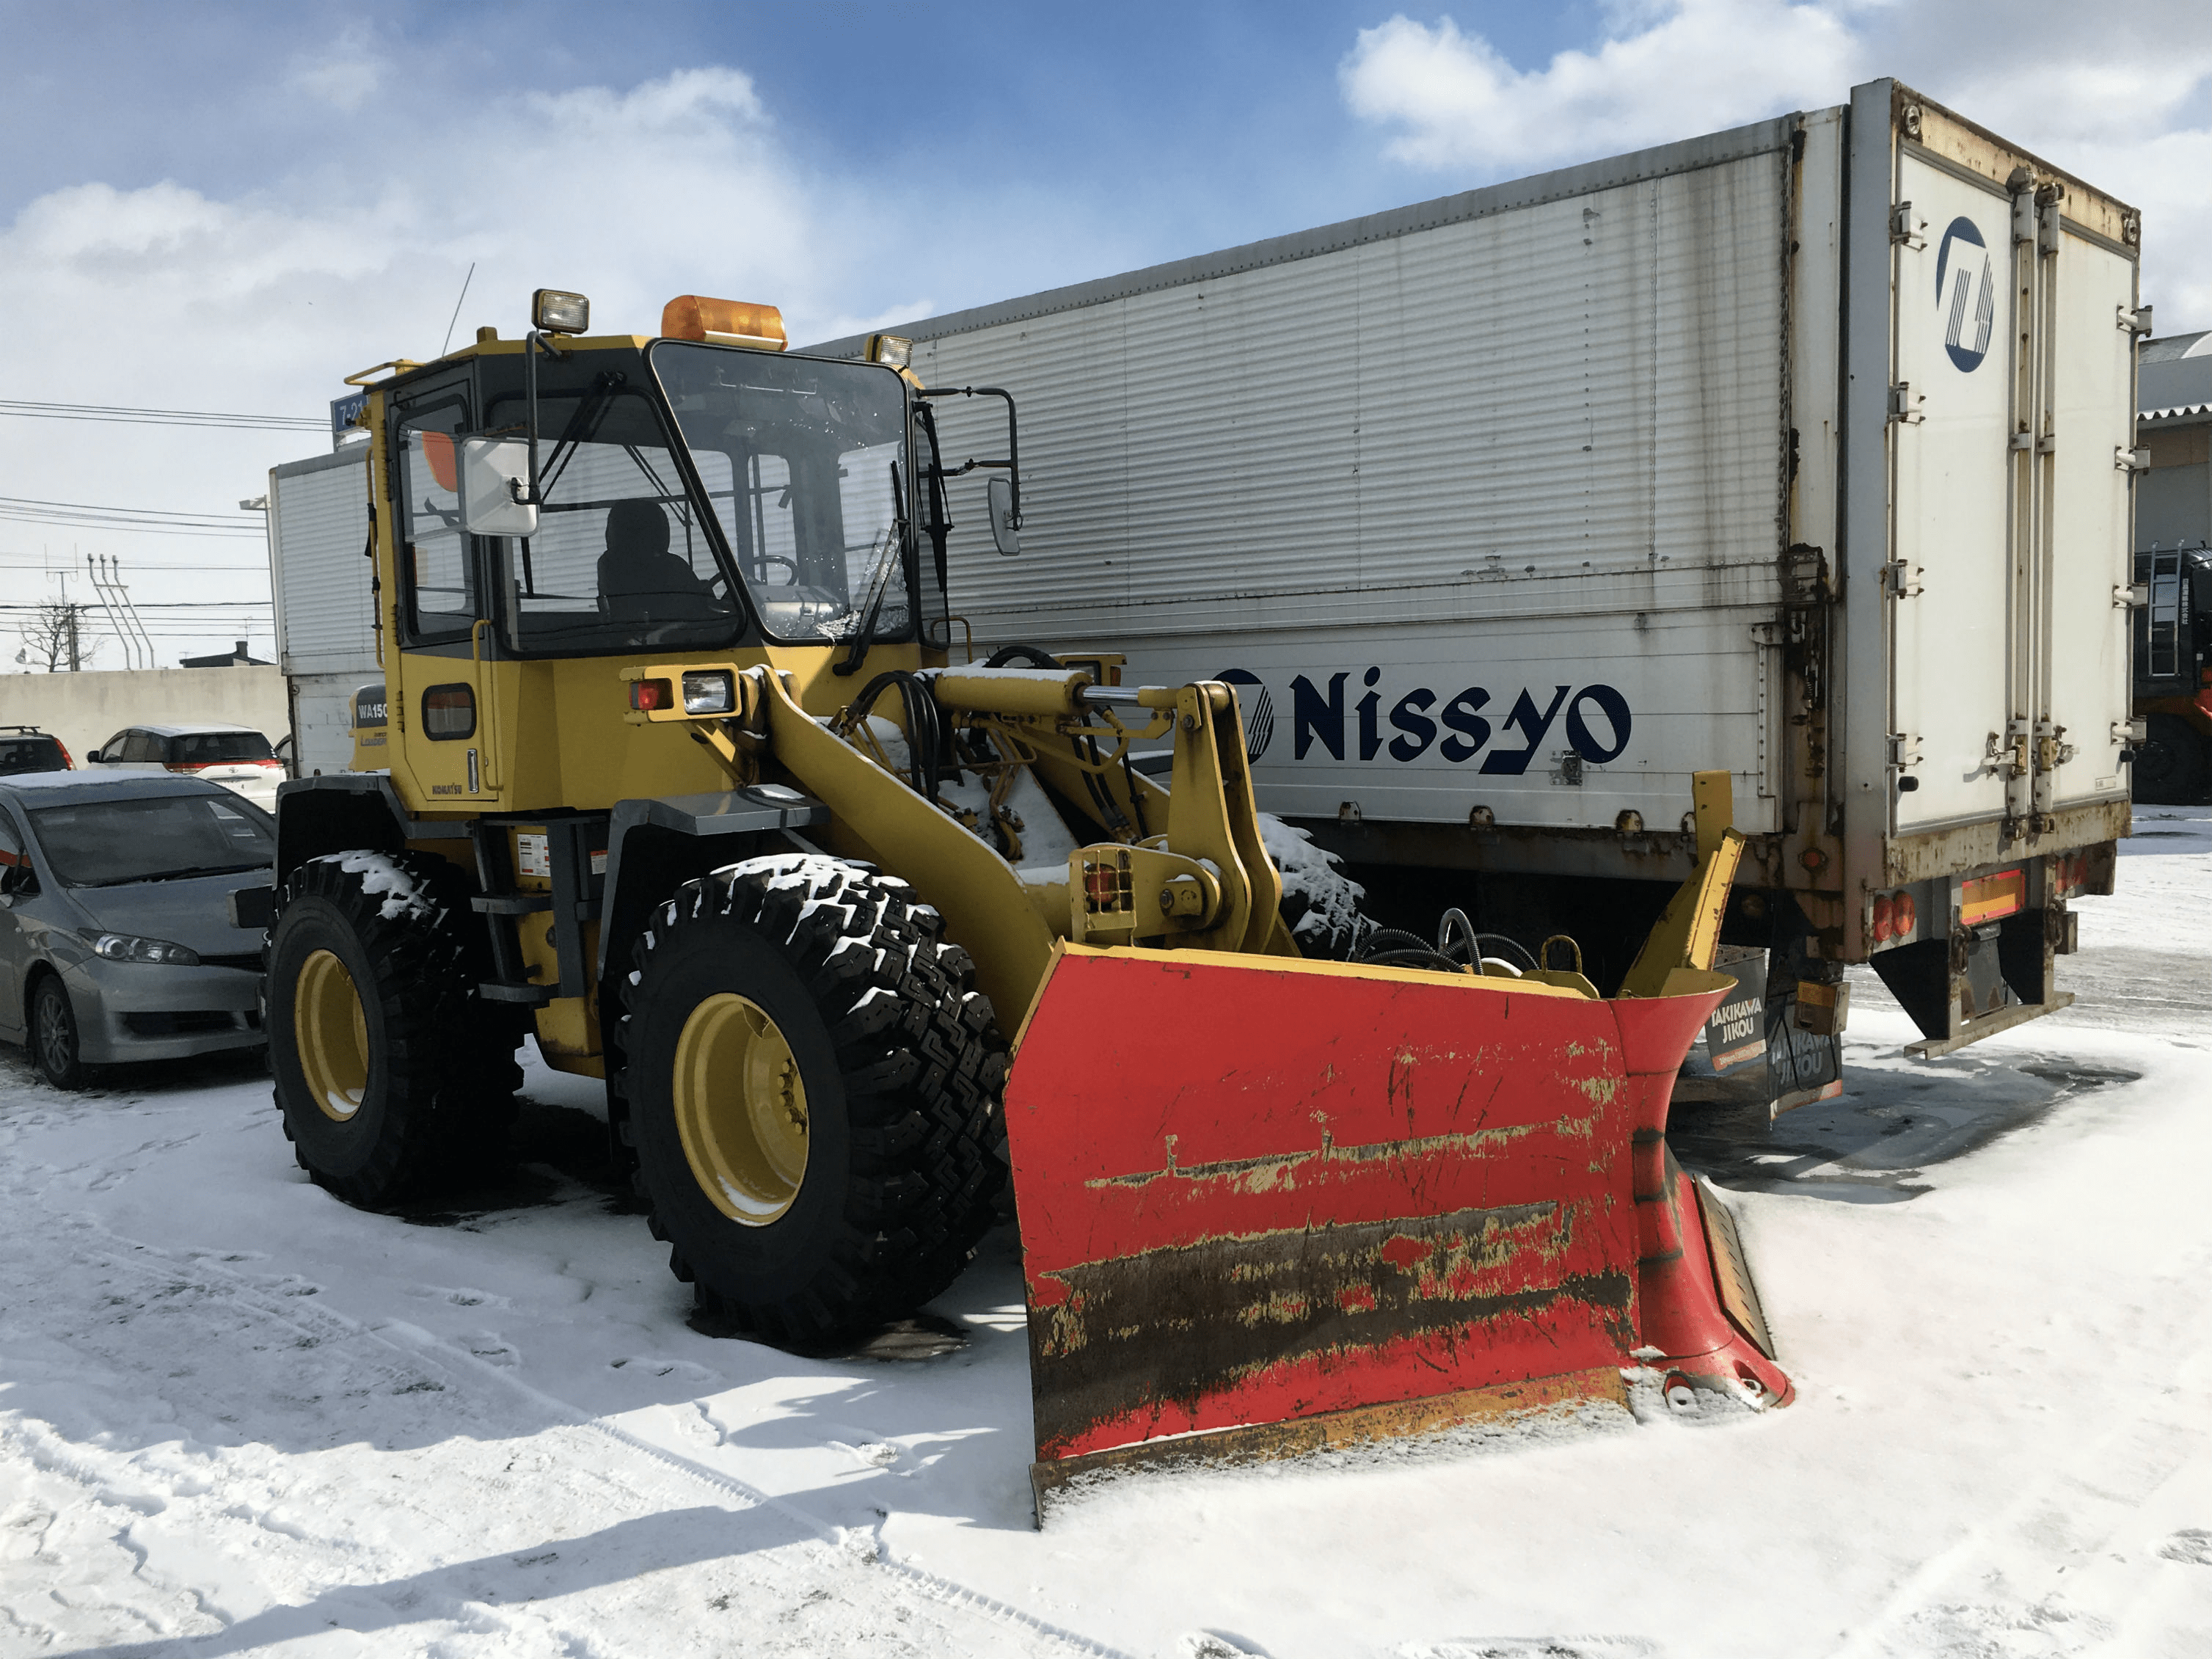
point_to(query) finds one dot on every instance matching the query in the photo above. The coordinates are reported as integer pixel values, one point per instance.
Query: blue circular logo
(1966, 293)
(1257, 708)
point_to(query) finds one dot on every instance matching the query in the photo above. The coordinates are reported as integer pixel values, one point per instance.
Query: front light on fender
(129, 947)
(714, 692)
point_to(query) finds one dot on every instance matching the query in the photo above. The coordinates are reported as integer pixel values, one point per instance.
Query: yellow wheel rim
(332, 1030)
(740, 1109)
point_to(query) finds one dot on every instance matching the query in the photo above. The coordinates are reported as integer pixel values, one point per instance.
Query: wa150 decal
(1597, 721)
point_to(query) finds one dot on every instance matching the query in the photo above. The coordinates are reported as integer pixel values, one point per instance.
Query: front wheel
(388, 1069)
(54, 1046)
(814, 1087)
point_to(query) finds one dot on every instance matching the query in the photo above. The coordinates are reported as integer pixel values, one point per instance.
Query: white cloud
(1456, 102)
(2119, 97)
(345, 77)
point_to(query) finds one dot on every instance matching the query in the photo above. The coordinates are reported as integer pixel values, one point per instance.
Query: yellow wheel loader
(674, 771)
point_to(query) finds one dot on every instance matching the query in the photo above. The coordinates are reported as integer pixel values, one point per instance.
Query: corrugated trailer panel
(318, 527)
(1594, 384)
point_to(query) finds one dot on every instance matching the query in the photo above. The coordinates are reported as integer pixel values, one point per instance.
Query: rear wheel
(54, 1047)
(813, 1085)
(2170, 767)
(388, 1069)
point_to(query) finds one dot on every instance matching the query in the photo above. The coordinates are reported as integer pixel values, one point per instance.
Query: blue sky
(230, 207)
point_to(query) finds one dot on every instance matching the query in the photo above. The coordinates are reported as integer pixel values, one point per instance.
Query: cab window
(437, 575)
(621, 557)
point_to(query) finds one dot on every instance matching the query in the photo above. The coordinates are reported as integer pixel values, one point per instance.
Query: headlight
(711, 693)
(129, 947)
(893, 349)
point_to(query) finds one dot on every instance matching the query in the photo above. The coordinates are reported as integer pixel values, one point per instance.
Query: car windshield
(107, 843)
(805, 466)
(213, 748)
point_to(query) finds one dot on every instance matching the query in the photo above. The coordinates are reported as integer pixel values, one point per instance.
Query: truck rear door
(2011, 408)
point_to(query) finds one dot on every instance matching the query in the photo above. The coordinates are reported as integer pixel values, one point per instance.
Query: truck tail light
(1885, 921)
(1907, 914)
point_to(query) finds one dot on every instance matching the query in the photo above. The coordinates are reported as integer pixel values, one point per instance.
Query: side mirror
(999, 493)
(92, 755)
(495, 486)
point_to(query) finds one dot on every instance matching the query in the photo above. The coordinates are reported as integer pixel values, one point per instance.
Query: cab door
(441, 697)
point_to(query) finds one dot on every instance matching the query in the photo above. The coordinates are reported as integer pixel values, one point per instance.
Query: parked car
(116, 936)
(27, 749)
(236, 756)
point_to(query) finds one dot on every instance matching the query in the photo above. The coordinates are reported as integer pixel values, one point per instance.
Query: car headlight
(711, 693)
(129, 947)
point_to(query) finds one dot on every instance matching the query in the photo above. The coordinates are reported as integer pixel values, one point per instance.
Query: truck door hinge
(2134, 598)
(1766, 633)
(2130, 458)
(1905, 404)
(2007, 756)
(2136, 319)
(2130, 733)
(1901, 232)
(1904, 749)
(2047, 219)
(1900, 580)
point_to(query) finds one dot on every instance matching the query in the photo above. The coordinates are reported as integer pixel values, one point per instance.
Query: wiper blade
(878, 584)
(177, 875)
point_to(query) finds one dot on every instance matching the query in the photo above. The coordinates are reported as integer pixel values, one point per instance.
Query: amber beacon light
(723, 322)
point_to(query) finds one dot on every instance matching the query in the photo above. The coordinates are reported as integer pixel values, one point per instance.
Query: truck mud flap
(1269, 1205)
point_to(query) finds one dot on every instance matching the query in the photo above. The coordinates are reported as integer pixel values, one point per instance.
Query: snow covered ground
(237, 1416)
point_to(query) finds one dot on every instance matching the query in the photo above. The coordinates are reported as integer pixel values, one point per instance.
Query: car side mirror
(495, 487)
(92, 754)
(1005, 531)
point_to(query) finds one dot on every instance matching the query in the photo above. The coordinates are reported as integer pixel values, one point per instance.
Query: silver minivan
(117, 938)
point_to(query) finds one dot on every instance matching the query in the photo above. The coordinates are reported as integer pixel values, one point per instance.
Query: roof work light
(723, 322)
(893, 349)
(555, 311)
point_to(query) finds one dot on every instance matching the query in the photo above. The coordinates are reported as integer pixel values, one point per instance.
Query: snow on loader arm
(1269, 1206)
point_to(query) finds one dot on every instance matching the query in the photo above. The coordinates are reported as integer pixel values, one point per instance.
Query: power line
(28, 509)
(161, 416)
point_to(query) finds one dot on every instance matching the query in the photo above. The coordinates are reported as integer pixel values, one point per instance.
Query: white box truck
(1804, 449)
(325, 621)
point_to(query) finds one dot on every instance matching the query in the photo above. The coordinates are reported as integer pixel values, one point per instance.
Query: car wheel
(815, 1089)
(54, 1047)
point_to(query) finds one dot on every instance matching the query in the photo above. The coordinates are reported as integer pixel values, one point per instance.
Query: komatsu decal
(1458, 727)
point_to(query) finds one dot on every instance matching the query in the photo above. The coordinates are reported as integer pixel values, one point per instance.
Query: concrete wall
(85, 710)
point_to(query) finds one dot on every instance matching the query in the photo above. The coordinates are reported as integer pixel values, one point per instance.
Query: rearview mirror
(1007, 536)
(496, 487)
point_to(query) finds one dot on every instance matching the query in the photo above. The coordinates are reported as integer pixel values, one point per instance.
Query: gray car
(116, 934)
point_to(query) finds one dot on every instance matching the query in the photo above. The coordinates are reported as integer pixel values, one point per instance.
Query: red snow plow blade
(1269, 1205)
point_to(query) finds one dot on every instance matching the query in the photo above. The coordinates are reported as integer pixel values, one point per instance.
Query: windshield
(804, 465)
(107, 844)
(620, 558)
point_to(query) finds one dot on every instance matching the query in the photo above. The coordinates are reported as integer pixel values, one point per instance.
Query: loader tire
(2171, 768)
(814, 1087)
(390, 1073)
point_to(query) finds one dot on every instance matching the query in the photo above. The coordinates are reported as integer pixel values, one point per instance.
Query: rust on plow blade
(1258, 1192)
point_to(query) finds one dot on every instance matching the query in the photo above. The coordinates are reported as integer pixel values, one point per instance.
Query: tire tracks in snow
(397, 1354)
